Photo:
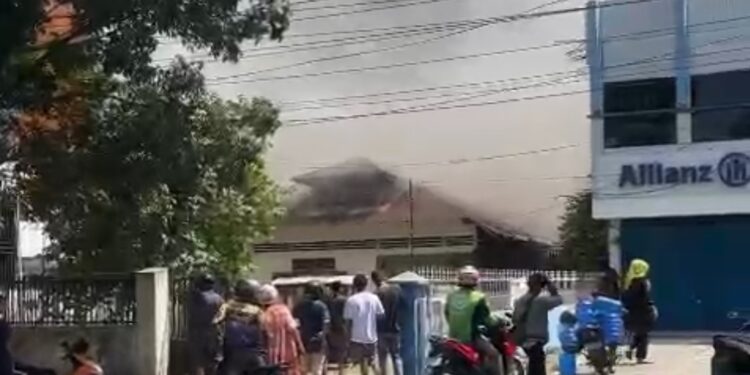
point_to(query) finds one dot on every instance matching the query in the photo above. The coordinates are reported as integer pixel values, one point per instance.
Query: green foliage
(168, 175)
(583, 239)
(114, 38)
(131, 165)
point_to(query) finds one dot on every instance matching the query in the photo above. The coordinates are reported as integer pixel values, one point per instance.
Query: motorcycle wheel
(599, 361)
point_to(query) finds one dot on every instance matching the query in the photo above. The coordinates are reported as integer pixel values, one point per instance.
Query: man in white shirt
(361, 312)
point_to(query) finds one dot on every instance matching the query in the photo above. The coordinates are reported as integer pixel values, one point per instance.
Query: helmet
(246, 289)
(468, 276)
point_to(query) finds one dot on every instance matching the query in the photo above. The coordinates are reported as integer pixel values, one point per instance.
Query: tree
(45, 45)
(583, 238)
(129, 164)
(168, 174)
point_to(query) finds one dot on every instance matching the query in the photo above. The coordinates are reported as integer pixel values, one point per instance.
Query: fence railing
(71, 302)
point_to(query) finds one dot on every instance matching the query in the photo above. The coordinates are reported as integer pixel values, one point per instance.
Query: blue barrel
(568, 335)
(415, 322)
(567, 363)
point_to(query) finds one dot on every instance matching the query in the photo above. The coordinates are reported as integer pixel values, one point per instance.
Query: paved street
(683, 356)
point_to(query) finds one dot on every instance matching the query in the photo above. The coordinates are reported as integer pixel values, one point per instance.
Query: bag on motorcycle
(731, 355)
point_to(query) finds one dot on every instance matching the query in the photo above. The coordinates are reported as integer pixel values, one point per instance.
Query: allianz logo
(733, 170)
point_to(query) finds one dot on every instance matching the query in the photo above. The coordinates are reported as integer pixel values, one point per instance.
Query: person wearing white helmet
(467, 310)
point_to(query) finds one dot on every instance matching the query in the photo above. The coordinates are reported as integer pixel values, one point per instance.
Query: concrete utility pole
(411, 224)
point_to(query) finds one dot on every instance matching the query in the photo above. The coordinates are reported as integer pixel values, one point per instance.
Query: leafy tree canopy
(583, 239)
(130, 165)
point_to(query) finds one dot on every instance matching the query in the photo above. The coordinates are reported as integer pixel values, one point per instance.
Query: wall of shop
(699, 268)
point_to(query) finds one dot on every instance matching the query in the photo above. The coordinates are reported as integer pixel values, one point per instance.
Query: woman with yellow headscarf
(641, 312)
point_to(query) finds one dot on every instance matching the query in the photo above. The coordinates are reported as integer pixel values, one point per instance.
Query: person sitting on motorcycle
(466, 311)
(243, 336)
(81, 359)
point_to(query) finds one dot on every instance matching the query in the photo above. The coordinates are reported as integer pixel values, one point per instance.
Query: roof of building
(358, 199)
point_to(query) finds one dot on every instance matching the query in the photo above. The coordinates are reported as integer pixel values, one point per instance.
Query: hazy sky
(522, 191)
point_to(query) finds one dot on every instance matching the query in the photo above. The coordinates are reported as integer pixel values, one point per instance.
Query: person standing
(284, 343)
(243, 336)
(314, 320)
(361, 312)
(338, 337)
(389, 338)
(530, 320)
(203, 334)
(641, 311)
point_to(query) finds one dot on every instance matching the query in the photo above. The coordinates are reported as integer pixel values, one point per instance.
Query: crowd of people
(255, 330)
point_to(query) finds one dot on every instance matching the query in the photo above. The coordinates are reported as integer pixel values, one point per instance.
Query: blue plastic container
(567, 363)
(609, 317)
(586, 313)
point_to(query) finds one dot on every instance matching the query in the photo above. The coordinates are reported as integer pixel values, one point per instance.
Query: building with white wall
(670, 128)
(355, 217)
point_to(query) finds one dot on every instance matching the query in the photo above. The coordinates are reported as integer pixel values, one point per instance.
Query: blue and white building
(670, 127)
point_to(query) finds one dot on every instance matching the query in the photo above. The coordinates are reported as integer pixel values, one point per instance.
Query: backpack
(241, 334)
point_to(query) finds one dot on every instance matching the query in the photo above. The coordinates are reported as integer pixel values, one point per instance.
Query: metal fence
(71, 302)
(497, 283)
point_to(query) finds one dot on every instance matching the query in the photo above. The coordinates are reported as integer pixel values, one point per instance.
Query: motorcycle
(448, 356)
(594, 348)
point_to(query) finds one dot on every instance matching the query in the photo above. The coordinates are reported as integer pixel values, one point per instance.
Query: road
(677, 356)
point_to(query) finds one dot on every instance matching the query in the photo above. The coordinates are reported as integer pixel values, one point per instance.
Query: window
(721, 106)
(313, 266)
(639, 113)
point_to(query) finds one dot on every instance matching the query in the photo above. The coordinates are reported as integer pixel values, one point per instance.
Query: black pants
(639, 343)
(537, 358)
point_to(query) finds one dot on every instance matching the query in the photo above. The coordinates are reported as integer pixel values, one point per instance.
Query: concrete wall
(675, 38)
(114, 347)
(350, 261)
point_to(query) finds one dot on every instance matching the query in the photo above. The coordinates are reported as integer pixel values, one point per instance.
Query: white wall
(716, 41)
(351, 261)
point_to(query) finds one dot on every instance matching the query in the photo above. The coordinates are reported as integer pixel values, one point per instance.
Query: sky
(513, 161)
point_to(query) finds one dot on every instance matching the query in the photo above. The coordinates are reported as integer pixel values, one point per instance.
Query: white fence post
(152, 321)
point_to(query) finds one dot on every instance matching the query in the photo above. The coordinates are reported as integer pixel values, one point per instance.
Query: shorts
(337, 346)
(359, 352)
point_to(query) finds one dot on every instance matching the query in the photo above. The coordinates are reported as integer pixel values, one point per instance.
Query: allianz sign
(733, 170)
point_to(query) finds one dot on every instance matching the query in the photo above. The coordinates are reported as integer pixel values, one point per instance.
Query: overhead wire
(417, 30)
(492, 20)
(301, 122)
(564, 75)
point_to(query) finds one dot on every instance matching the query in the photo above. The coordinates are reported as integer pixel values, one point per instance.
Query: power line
(492, 20)
(347, 5)
(427, 29)
(229, 79)
(458, 161)
(223, 79)
(317, 120)
(487, 92)
(564, 76)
